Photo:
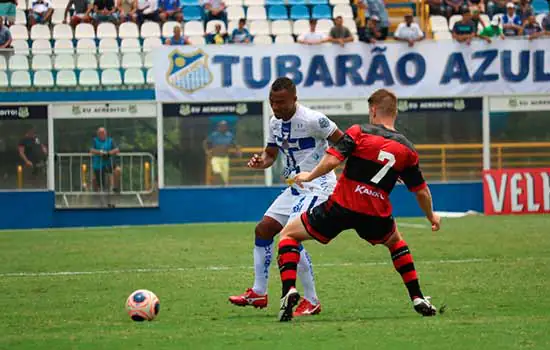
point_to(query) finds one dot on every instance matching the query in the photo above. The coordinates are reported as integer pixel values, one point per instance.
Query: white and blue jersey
(302, 142)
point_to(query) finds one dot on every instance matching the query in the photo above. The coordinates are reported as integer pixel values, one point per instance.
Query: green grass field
(493, 273)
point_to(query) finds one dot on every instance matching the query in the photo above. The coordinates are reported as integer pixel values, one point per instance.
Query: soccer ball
(143, 305)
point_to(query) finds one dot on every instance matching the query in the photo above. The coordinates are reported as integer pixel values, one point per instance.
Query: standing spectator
(370, 33)
(377, 8)
(493, 30)
(511, 22)
(340, 34)
(5, 36)
(177, 38)
(312, 37)
(476, 18)
(170, 10)
(218, 147)
(217, 37)
(525, 10)
(464, 30)
(104, 11)
(33, 154)
(360, 13)
(147, 10)
(40, 12)
(215, 9)
(477, 4)
(496, 6)
(454, 7)
(106, 172)
(82, 9)
(241, 35)
(127, 10)
(409, 31)
(531, 29)
(8, 10)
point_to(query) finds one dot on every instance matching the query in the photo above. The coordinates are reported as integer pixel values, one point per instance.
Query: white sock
(263, 254)
(305, 274)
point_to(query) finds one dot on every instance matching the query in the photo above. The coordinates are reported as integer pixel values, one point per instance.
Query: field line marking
(223, 268)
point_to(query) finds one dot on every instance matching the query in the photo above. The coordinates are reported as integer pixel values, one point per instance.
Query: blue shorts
(8, 9)
(106, 18)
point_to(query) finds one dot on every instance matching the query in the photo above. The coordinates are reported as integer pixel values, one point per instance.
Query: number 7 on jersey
(383, 156)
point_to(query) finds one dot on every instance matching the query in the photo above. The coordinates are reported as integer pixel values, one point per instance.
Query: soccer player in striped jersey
(301, 136)
(377, 156)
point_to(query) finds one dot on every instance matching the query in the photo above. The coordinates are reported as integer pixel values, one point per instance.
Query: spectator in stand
(340, 34)
(127, 10)
(464, 30)
(104, 11)
(215, 9)
(147, 10)
(217, 37)
(177, 38)
(531, 29)
(476, 4)
(377, 9)
(8, 10)
(437, 7)
(40, 12)
(82, 10)
(496, 6)
(170, 10)
(312, 37)
(525, 10)
(33, 154)
(511, 22)
(370, 33)
(454, 7)
(476, 18)
(409, 31)
(5, 36)
(546, 24)
(241, 35)
(493, 30)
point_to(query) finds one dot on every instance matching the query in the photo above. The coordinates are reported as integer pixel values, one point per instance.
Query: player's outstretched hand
(435, 220)
(301, 178)
(256, 162)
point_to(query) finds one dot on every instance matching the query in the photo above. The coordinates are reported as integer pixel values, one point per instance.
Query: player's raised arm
(264, 160)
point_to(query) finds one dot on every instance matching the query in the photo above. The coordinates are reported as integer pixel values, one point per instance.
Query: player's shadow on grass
(324, 318)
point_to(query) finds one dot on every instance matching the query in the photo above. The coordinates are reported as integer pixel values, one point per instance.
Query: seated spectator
(312, 37)
(511, 22)
(339, 34)
(104, 11)
(464, 30)
(215, 9)
(241, 35)
(377, 9)
(496, 6)
(40, 12)
(217, 38)
(177, 38)
(370, 33)
(127, 10)
(476, 18)
(437, 7)
(82, 10)
(493, 30)
(531, 29)
(454, 7)
(476, 4)
(170, 10)
(409, 31)
(147, 10)
(525, 10)
(546, 24)
(8, 10)
(5, 36)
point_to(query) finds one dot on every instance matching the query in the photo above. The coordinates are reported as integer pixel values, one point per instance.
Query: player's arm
(266, 159)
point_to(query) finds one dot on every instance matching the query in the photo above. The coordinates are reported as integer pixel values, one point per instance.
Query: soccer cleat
(424, 307)
(287, 304)
(249, 298)
(306, 308)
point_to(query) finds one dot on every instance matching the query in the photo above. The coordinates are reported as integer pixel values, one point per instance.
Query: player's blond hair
(385, 102)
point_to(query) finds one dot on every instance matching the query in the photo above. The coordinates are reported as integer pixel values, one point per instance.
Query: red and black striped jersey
(376, 158)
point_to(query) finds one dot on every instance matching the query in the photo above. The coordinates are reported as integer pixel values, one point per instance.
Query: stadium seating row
(80, 61)
(440, 24)
(68, 78)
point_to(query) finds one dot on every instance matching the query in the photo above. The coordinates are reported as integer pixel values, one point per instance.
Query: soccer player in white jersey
(301, 135)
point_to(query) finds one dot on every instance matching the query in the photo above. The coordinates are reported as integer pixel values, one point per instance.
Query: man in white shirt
(312, 37)
(40, 12)
(147, 10)
(409, 31)
(215, 9)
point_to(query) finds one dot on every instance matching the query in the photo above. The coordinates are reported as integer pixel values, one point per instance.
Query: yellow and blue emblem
(188, 71)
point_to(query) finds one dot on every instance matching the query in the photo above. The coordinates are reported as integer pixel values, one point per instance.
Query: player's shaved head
(383, 103)
(283, 98)
(283, 83)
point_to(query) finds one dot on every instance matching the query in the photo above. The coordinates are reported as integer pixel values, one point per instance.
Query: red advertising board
(516, 191)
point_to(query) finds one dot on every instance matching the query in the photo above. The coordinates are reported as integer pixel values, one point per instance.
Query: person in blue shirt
(177, 38)
(170, 10)
(218, 145)
(241, 35)
(105, 169)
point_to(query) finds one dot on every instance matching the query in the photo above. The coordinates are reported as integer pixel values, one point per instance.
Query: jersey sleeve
(345, 147)
(322, 126)
(412, 175)
(271, 136)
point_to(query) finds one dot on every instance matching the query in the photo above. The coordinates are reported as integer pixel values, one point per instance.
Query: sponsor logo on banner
(520, 103)
(188, 71)
(516, 191)
(104, 110)
(422, 105)
(344, 107)
(23, 112)
(210, 109)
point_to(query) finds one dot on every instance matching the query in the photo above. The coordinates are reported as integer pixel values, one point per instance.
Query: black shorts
(102, 174)
(327, 220)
